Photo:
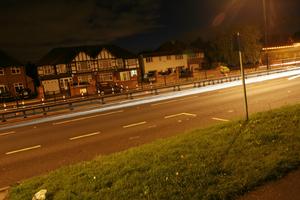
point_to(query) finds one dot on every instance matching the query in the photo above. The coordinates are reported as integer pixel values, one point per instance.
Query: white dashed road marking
(133, 125)
(134, 138)
(219, 119)
(89, 117)
(22, 150)
(179, 114)
(84, 136)
(8, 133)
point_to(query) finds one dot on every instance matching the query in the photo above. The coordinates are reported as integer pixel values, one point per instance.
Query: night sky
(30, 28)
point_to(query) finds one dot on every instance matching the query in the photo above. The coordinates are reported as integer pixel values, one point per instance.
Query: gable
(81, 56)
(105, 54)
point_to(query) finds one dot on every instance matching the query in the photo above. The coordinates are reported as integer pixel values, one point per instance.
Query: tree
(31, 71)
(221, 47)
(296, 36)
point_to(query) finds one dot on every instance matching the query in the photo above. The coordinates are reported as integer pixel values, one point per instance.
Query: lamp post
(266, 32)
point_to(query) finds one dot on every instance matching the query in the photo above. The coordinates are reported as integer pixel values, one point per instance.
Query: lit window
(45, 70)
(18, 86)
(104, 64)
(124, 76)
(16, 70)
(2, 89)
(61, 69)
(1, 71)
(82, 66)
(149, 59)
(133, 73)
(103, 77)
(85, 79)
(179, 57)
(131, 62)
(120, 63)
(65, 83)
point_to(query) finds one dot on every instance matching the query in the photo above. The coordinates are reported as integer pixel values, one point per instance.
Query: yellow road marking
(219, 119)
(8, 133)
(84, 136)
(165, 102)
(22, 150)
(179, 114)
(84, 118)
(136, 124)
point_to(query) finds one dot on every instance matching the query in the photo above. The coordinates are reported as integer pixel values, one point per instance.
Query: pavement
(61, 142)
(4, 193)
(287, 188)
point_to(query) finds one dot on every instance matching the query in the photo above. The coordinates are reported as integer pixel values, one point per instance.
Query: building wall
(162, 63)
(86, 71)
(281, 54)
(10, 80)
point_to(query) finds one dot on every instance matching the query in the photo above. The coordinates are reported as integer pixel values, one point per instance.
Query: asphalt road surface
(33, 150)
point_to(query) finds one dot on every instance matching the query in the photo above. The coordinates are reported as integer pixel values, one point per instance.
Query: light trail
(162, 97)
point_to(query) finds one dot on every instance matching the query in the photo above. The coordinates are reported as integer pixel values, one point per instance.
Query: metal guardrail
(44, 107)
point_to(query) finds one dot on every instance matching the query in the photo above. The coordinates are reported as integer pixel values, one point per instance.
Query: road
(39, 148)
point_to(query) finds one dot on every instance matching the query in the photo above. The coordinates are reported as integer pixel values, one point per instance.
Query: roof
(7, 61)
(64, 55)
(168, 53)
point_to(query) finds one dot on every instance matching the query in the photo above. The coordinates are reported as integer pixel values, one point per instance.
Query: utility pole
(238, 44)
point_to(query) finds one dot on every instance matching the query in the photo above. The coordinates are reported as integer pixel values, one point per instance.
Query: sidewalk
(287, 188)
(3, 193)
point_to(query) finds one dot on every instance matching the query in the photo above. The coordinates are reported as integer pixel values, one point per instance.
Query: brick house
(13, 77)
(83, 69)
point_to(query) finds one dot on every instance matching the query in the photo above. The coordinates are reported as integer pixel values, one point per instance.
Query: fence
(44, 107)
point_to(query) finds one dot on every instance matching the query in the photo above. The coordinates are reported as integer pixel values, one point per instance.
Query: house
(170, 66)
(13, 78)
(85, 69)
(281, 55)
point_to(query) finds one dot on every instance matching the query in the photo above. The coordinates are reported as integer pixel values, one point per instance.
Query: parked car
(24, 93)
(108, 88)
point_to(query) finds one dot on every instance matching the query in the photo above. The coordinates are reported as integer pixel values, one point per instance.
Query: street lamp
(238, 48)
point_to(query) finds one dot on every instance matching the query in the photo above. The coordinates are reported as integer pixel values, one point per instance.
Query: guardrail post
(178, 87)
(24, 114)
(130, 95)
(3, 118)
(155, 91)
(44, 111)
(70, 106)
(102, 100)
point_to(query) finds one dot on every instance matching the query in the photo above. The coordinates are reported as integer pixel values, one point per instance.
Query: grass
(221, 162)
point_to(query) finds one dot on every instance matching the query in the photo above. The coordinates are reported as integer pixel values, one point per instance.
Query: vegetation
(220, 162)
(220, 49)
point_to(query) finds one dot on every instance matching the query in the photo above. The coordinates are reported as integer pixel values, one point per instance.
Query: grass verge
(221, 162)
